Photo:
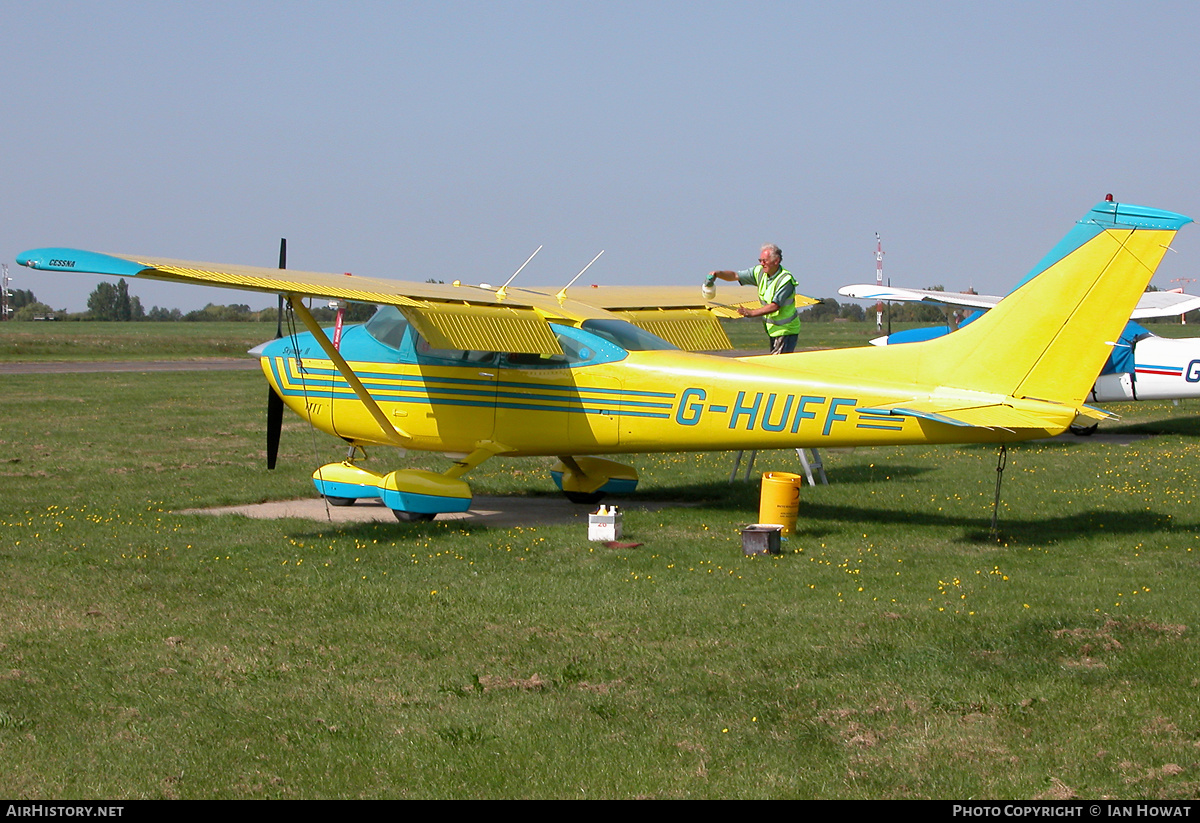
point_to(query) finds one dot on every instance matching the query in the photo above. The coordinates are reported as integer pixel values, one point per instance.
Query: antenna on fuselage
(501, 292)
(562, 293)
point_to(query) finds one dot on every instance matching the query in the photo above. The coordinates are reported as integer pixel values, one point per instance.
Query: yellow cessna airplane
(475, 371)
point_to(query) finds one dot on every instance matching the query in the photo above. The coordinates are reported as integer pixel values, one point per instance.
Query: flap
(687, 329)
(483, 328)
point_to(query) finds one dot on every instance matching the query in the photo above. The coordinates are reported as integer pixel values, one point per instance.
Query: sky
(412, 140)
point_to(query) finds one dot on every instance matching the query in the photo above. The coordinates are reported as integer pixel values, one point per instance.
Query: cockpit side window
(579, 349)
(451, 357)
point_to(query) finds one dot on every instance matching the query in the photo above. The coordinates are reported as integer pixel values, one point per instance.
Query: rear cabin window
(626, 335)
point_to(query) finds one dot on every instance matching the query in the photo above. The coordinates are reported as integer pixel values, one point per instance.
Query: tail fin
(1049, 338)
(1046, 341)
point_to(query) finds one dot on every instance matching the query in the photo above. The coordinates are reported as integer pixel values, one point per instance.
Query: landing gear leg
(1001, 460)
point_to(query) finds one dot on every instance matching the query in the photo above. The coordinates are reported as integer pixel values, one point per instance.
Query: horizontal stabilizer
(1093, 413)
(956, 412)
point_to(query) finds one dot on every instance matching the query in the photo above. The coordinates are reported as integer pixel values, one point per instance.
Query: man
(776, 290)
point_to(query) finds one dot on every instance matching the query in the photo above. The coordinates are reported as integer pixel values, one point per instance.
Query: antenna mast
(878, 281)
(1182, 280)
(4, 281)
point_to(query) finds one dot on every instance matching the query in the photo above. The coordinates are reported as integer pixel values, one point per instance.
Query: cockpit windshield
(387, 326)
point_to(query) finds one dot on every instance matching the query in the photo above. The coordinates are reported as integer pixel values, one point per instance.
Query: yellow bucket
(779, 501)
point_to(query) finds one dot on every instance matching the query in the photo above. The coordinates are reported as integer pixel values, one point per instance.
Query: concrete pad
(495, 512)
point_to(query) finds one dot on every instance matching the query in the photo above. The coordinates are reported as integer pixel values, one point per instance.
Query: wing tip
(78, 260)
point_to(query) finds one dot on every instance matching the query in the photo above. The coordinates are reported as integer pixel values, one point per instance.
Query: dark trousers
(783, 344)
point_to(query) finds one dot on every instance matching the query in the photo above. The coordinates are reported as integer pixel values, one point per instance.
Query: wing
(678, 314)
(987, 415)
(1164, 304)
(675, 297)
(873, 292)
(1151, 304)
(450, 317)
(455, 316)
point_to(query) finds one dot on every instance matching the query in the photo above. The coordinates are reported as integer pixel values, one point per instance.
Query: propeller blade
(274, 425)
(274, 401)
(282, 265)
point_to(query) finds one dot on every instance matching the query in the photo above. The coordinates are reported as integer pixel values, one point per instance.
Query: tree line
(109, 302)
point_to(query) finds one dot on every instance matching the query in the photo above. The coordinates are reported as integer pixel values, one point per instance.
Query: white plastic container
(605, 525)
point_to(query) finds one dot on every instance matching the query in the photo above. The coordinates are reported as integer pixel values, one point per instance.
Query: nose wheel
(413, 517)
(584, 498)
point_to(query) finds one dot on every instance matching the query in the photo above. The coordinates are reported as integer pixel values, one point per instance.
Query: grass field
(67, 341)
(48, 342)
(893, 651)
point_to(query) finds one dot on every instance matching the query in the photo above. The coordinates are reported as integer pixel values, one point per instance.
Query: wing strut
(398, 436)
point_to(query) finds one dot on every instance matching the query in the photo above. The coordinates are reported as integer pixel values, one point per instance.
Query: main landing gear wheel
(339, 501)
(413, 517)
(584, 498)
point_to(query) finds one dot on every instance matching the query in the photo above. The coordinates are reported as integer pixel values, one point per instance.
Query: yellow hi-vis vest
(785, 319)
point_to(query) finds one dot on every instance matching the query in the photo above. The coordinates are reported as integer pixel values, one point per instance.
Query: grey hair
(774, 250)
